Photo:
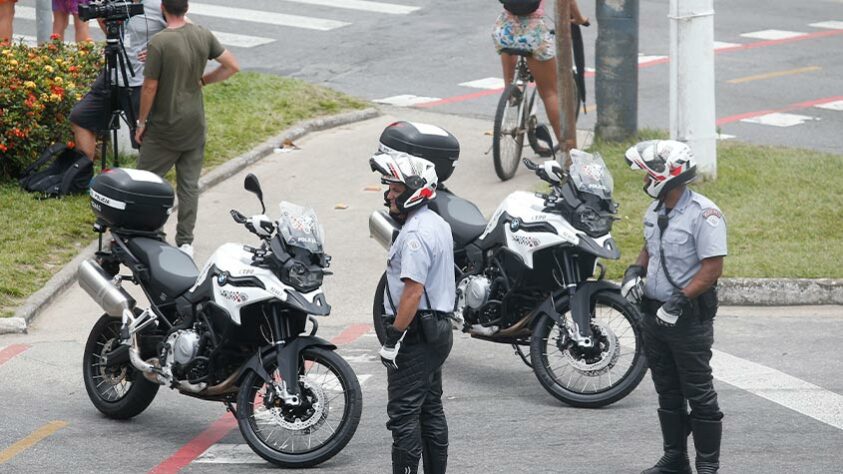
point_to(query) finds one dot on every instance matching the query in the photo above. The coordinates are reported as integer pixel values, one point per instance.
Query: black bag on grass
(68, 171)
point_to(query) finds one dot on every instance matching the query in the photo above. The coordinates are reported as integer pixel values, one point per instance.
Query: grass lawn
(38, 237)
(784, 209)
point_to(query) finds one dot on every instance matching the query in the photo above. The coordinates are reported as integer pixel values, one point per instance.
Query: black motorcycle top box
(425, 141)
(131, 200)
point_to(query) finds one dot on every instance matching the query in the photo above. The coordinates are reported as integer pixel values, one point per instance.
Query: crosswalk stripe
(364, 5)
(258, 16)
(241, 41)
(229, 454)
(836, 105)
(773, 34)
(406, 100)
(30, 40)
(780, 119)
(487, 83)
(831, 25)
(786, 390)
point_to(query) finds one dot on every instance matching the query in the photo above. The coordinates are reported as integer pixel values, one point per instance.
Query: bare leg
(508, 62)
(60, 21)
(86, 140)
(82, 32)
(576, 16)
(544, 72)
(7, 15)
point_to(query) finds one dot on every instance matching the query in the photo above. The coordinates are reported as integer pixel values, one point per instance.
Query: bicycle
(516, 117)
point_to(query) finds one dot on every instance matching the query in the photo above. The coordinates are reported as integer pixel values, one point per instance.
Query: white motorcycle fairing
(231, 265)
(529, 229)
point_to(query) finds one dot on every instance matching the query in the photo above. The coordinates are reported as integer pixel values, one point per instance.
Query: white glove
(632, 287)
(390, 348)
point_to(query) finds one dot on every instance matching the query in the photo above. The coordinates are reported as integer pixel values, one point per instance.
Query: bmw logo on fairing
(514, 224)
(222, 278)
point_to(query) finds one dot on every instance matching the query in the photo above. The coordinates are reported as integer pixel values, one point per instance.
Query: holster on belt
(703, 307)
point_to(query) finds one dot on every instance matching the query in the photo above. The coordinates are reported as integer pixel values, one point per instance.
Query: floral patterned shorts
(71, 7)
(524, 32)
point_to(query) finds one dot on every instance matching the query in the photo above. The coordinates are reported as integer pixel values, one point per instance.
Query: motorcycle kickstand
(522, 356)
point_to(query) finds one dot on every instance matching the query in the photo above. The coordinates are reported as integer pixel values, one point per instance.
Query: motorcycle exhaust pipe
(383, 228)
(98, 285)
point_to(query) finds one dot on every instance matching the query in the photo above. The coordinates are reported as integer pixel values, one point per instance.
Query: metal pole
(692, 118)
(564, 66)
(616, 64)
(44, 20)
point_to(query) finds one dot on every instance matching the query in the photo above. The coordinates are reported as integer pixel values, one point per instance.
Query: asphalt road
(775, 58)
(777, 369)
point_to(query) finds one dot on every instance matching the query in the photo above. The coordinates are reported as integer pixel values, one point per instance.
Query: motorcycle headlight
(302, 277)
(592, 222)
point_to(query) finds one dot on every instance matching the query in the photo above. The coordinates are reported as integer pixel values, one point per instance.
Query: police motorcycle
(527, 276)
(235, 333)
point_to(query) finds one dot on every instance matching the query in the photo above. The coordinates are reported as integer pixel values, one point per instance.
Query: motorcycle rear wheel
(120, 392)
(379, 320)
(567, 373)
(328, 386)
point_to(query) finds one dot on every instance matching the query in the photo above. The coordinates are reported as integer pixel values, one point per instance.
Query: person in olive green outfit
(171, 122)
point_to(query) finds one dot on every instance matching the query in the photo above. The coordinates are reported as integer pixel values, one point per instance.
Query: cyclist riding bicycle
(522, 26)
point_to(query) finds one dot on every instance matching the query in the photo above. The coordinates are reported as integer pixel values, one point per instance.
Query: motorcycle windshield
(299, 227)
(590, 174)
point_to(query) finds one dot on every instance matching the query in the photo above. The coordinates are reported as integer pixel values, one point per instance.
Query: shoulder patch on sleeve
(712, 216)
(413, 244)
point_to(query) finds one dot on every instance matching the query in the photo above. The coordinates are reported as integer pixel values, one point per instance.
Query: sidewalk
(330, 172)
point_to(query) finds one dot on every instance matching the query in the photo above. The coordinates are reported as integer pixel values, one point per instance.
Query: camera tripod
(116, 63)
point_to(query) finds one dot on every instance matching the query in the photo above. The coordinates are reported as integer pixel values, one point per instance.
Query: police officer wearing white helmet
(420, 294)
(674, 282)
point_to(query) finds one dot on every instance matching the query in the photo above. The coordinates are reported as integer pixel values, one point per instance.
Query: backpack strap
(46, 155)
(77, 176)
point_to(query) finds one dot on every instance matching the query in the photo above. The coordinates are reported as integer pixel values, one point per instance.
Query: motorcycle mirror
(252, 184)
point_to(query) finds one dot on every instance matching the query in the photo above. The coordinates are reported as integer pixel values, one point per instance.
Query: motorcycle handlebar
(238, 218)
(529, 164)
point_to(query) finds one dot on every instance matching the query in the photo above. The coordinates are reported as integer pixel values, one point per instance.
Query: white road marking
(836, 105)
(773, 34)
(229, 454)
(490, 83)
(364, 5)
(724, 45)
(241, 41)
(831, 25)
(778, 119)
(28, 13)
(723, 136)
(778, 387)
(30, 40)
(258, 16)
(646, 59)
(406, 100)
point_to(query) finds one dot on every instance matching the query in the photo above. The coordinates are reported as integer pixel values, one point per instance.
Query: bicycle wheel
(508, 134)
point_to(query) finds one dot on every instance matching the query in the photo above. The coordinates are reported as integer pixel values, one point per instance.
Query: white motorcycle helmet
(418, 174)
(668, 164)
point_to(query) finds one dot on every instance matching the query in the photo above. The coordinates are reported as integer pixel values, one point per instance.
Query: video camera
(110, 10)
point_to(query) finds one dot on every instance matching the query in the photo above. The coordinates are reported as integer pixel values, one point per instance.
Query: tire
(508, 133)
(118, 395)
(549, 338)
(379, 321)
(252, 392)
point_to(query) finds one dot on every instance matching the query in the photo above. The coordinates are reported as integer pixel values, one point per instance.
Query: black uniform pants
(679, 359)
(416, 416)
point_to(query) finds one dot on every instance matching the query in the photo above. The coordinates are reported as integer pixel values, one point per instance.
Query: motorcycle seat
(465, 219)
(171, 271)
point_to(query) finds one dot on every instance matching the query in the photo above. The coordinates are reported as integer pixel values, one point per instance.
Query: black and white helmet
(668, 164)
(418, 174)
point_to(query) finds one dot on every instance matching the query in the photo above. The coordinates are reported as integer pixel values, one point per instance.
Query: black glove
(391, 346)
(632, 287)
(673, 309)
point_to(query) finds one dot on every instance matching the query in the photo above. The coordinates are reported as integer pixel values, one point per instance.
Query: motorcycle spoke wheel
(110, 384)
(591, 377)
(308, 434)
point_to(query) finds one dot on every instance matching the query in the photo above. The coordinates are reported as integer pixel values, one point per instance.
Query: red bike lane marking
(220, 428)
(788, 108)
(646, 64)
(10, 352)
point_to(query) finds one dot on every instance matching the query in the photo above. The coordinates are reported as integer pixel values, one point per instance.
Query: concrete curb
(67, 275)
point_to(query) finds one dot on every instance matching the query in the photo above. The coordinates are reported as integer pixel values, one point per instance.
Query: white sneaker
(187, 248)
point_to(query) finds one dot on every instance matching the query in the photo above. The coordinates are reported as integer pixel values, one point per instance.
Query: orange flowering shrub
(38, 88)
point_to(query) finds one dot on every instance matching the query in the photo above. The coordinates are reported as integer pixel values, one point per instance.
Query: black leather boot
(707, 436)
(434, 457)
(675, 435)
(403, 462)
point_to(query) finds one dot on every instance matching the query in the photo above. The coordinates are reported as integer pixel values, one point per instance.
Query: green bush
(40, 85)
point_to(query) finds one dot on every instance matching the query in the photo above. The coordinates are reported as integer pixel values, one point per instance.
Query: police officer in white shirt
(420, 294)
(674, 282)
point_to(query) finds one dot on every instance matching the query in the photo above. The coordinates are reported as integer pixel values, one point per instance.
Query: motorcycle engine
(182, 347)
(472, 294)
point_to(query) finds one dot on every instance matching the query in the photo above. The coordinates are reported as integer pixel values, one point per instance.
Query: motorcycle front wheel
(315, 430)
(119, 392)
(591, 378)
